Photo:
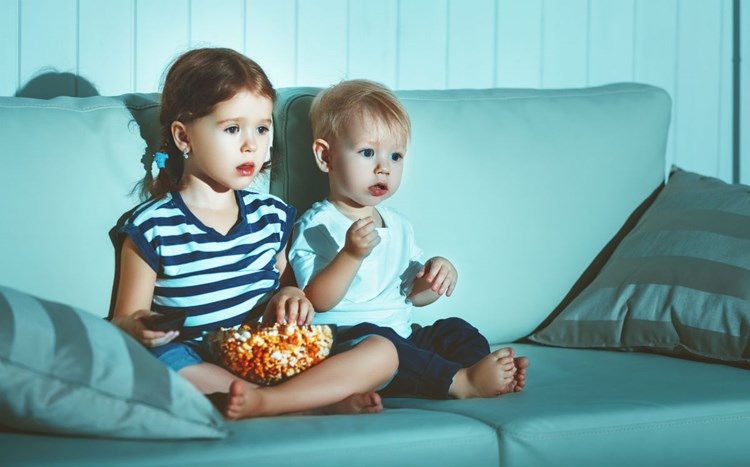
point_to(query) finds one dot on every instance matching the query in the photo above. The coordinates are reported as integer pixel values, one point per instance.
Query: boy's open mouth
(246, 169)
(379, 189)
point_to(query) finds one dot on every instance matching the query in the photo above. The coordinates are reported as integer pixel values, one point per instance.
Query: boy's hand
(441, 274)
(289, 305)
(133, 325)
(361, 238)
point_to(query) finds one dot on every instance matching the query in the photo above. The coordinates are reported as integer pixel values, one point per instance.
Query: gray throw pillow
(69, 372)
(678, 283)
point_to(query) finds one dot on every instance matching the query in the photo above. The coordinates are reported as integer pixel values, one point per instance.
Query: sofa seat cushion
(395, 437)
(594, 407)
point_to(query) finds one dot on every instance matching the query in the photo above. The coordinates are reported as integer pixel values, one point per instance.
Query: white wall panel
(656, 52)
(745, 94)
(373, 36)
(564, 43)
(471, 44)
(217, 24)
(322, 42)
(610, 41)
(271, 38)
(519, 43)
(422, 44)
(698, 85)
(48, 41)
(9, 51)
(105, 45)
(683, 46)
(162, 32)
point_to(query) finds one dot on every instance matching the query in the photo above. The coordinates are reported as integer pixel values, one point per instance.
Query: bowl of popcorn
(268, 355)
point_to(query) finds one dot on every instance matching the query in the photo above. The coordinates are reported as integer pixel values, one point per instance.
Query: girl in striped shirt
(205, 244)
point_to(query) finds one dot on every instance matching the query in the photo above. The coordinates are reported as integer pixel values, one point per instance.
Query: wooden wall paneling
(373, 35)
(656, 54)
(745, 94)
(698, 86)
(422, 44)
(564, 43)
(105, 50)
(9, 50)
(162, 33)
(271, 39)
(214, 24)
(725, 167)
(322, 42)
(519, 43)
(471, 44)
(48, 45)
(610, 41)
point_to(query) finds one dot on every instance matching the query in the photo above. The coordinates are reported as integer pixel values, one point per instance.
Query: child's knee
(384, 348)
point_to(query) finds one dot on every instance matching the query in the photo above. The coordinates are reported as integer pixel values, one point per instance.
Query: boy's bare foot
(243, 401)
(369, 402)
(520, 377)
(489, 377)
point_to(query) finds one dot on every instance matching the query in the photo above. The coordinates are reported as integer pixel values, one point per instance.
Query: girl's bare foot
(244, 400)
(520, 377)
(369, 402)
(489, 377)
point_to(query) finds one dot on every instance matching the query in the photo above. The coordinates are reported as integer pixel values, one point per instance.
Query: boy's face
(365, 163)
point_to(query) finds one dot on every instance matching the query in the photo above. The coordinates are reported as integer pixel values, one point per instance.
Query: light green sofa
(527, 191)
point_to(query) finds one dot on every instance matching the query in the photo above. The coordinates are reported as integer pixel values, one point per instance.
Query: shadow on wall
(53, 84)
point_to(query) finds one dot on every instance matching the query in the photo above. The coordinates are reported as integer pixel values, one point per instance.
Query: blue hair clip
(161, 159)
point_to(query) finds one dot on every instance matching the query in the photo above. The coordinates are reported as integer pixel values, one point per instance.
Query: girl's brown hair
(196, 82)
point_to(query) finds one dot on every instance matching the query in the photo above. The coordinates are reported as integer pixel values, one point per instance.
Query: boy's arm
(328, 287)
(437, 276)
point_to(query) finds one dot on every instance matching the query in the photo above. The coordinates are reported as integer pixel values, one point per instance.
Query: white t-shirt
(379, 290)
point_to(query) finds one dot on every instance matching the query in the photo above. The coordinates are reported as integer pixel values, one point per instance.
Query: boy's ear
(180, 136)
(322, 154)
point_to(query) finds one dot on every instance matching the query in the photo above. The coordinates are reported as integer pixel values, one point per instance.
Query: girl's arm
(134, 294)
(289, 304)
(326, 289)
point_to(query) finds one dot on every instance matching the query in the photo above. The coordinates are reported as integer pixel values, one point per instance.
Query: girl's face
(366, 163)
(227, 147)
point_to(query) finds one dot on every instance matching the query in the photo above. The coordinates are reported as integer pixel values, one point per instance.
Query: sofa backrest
(521, 189)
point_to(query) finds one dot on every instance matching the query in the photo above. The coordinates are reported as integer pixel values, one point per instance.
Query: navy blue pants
(430, 357)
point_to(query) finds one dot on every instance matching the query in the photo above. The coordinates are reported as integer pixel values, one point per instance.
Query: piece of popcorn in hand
(268, 355)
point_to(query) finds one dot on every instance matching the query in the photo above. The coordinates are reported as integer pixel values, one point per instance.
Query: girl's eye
(396, 156)
(367, 152)
(232, 129)
(262, 130)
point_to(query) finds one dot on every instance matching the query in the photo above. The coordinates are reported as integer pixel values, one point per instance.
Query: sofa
(626, 283)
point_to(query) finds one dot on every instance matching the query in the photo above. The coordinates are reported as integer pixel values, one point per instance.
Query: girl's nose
(251, 145)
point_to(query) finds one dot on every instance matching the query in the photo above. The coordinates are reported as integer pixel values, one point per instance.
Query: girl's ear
(322, 154)
(180, 136)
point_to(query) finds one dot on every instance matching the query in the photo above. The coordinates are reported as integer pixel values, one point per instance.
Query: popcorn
(268, 355)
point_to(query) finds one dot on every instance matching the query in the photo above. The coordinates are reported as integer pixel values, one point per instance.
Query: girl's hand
(289, 305)
(133, 325)
(361, 238)
(441, 274)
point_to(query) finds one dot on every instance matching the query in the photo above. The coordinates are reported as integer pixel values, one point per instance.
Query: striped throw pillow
(65, 371)
(678, 283)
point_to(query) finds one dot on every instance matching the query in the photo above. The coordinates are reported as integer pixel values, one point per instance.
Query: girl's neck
(198, 194)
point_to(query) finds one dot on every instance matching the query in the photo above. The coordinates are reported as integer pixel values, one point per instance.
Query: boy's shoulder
(320, 212)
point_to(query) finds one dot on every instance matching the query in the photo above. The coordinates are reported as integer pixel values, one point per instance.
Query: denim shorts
(178, 355)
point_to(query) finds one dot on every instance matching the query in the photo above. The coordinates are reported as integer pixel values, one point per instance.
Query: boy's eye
(367, 152)
(396, 156)
(232, 129)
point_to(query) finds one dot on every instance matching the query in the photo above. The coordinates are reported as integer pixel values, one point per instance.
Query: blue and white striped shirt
(217, 278)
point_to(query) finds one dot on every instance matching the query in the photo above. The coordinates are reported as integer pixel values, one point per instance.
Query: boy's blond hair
(332, 108)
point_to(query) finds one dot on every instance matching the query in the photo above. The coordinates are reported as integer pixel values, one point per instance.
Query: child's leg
(336, 379)
(457, 340)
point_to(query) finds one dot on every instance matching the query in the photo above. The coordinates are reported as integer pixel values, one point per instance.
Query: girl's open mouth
(247, 169)
(379, 189)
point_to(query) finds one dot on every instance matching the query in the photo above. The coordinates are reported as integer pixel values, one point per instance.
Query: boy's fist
(361, 238)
